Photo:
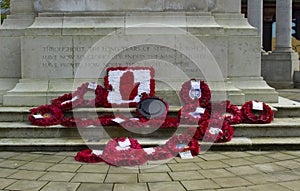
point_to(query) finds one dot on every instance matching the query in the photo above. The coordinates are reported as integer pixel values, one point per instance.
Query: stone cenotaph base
(49, 47)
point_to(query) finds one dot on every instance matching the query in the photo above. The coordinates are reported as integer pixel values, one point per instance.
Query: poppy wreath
(233, 114)
(210, 132)
(175, 144)
(128, 88)
(88, 156)
(185, 93)
(46, 115)
(69, 122)
(82, 90)
(169, 122)
(99, 92)
(265, 116)
(159, 153)
(66, 102)
(186, 114)
(116, 156)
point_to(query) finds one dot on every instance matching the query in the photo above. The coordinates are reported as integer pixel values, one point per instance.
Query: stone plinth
(180, 39)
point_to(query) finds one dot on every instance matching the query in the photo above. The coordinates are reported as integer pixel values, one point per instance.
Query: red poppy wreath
(229, 112)
(67, 102)
(46, 115)
(260, 115)
(193, 91)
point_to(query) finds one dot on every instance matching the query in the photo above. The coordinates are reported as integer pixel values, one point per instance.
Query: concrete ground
(221, 171)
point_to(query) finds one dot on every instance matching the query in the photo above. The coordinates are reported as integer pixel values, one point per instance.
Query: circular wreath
(232, 114)
(116, 156)
(82, 90)
(46, 115)
(263, 117)
(210, 132)
(66, 102)
(186, 116)
(182, 143)
(160, 153)
(185, 93)
(88, 156)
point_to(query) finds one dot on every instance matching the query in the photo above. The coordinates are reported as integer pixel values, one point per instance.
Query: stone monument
(43, 43)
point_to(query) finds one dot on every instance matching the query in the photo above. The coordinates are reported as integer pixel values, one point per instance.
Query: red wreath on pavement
(46, 115)
(205, 93)
(174, 144)
(132, 156)
(88, 156)
(265, 116)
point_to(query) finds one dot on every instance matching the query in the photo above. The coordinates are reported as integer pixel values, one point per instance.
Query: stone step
(286, 108)
(280, 127)
(63, 144)
(19, 114)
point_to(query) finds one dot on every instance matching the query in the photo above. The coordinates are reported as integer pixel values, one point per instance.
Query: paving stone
(5, 172)
(281, 156)
(215, 173)
(231, 182)
(237, 162)
(212, 164)
(5, 155)
(27, 175)
(258, 152)
(121, 178)
(89, 177)
(291, 164)
(200, 184)
(154, 177)
(95, 187)
(123, 170)
(6, 182)
(213, 156)
(94, 168)
(61, 186)
(50, 158)
(293, 185)
(69, 160)
(161, 162)
(294, 153)
(269, 167)
(186, 175)
(58, 176)
(154, 168)
(27, 185)
(12, 163)
(286, 175)
(261, 178)
(236, 154)
(36, 166)
(183, 166)
(260, 159)
(195, 159)
(268, 187)
(67, 154)
(235, 189)
(26, 156)
(243, 170)
(64, 167)
(131, 187)
(166, 186)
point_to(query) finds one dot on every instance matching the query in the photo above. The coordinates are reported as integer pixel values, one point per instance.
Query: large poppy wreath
(46, 115)
(265, 115)
(193, 91)
(126, 84)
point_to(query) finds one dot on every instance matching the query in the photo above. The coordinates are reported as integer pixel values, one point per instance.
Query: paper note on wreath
(128, 83)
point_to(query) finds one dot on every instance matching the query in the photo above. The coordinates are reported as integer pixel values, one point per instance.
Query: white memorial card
(257, 106)
(92, 86)
(125, 143)
(186, 155)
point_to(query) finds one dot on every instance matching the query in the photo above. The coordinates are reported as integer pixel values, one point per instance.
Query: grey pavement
(219, 171)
